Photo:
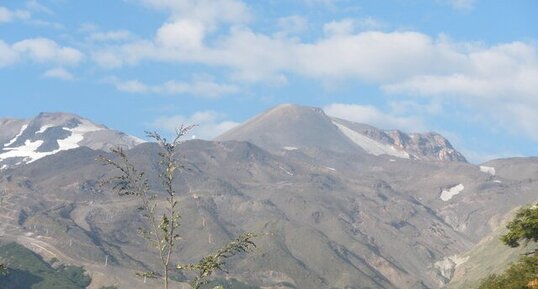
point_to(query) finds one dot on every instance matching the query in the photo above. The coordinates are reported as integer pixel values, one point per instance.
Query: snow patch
(488, 170)
(369, 145)
(44, 128)
(497, 181)
(331, 169)
(29, 152)
(459, 260)
(392, 160)
(448, 265)
(23, 128)
(451, 192)
(290, 148)
(26, 151)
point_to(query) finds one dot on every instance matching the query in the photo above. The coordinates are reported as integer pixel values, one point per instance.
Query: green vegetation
(517, 276)
(523, 228)
(28, 270)
(3, 269)
(163, 221)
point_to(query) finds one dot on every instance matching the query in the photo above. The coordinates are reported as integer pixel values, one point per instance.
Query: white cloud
(109, 36)
(497, 83)
(209, 12)
(198, 87)
(292, 24)
(35, 6)
(368, 114)
(406, 63)
(350, 26)
(30, 7)
(59, 73)
(7, 55)
(7, 15)
(259, 57)
(184, 34)
(47, 24)
(39, 50)
(43, 50)
(341, 27)
(459, 4)
(209, 124)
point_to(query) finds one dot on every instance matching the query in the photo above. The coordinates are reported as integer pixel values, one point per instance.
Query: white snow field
(369, 145)
(446, 195)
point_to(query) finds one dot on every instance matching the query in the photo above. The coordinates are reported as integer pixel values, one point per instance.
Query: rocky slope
(331, 214)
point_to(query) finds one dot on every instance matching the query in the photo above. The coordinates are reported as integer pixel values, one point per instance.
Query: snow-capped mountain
(25, 141)
(291, 127)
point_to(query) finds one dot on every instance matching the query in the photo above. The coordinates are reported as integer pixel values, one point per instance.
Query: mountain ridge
(377, 221)
(25, 141)
(290, 126)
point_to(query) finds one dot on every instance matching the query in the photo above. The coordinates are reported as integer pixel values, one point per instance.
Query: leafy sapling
(163, 218)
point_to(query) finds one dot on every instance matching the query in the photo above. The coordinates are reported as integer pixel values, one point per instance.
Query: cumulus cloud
(185, 34)
(209, 124)
(259, 57)
(198, 87)
(59, 73)
(44, 50)
(499, 83)
(40, 50)
(402, 63)
(371, 115)
(349, 26)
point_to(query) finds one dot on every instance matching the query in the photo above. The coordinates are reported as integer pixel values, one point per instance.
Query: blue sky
(467, 69)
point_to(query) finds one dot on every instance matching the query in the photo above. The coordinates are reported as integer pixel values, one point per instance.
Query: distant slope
(29, 271)
(489, 256)
(422, 146)
(25, 141)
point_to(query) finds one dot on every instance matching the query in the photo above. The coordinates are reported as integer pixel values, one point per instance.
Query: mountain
(330, 213)
(290, 127)
(25, 141)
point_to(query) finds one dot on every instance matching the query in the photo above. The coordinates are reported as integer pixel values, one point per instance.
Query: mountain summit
(291, 127)
(25, 141)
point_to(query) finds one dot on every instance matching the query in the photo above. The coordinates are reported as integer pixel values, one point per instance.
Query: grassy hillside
(490, 256)
(28, 270)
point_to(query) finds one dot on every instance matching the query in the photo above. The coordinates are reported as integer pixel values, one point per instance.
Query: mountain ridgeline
(338, 204)
(291, 127)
